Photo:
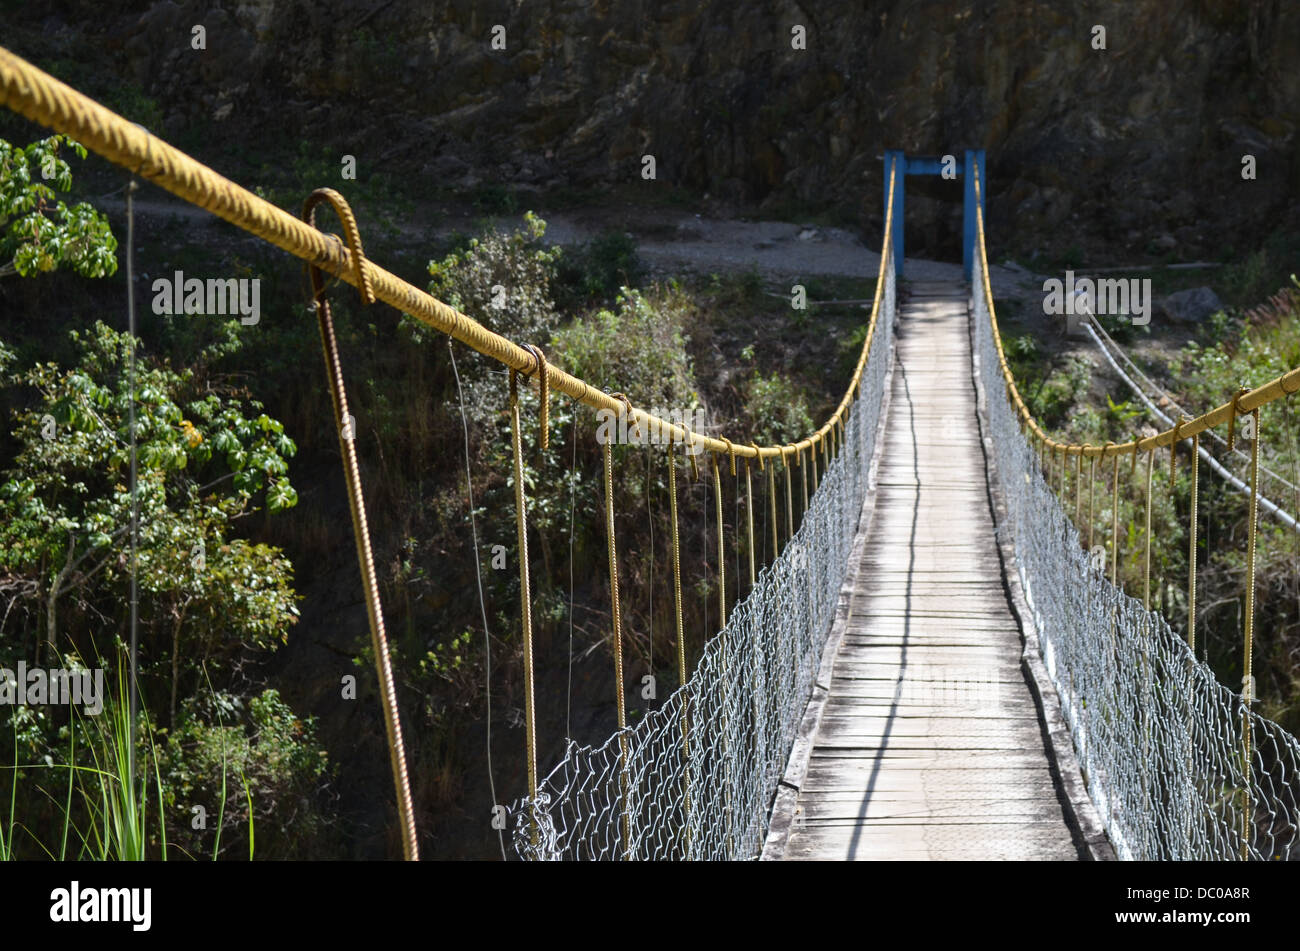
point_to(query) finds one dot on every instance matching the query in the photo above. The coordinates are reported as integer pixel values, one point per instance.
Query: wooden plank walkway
(930, 745)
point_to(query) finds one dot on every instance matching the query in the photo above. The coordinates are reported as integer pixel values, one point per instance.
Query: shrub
(595, 271)
(227, 755)
(776, 410)
(638, 348)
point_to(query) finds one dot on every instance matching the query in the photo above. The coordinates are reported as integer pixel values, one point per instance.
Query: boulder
(1191, 306)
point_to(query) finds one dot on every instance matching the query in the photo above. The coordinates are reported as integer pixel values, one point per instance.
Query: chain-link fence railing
(1159, 740)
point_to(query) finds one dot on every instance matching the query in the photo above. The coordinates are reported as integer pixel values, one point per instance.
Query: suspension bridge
(932, 664)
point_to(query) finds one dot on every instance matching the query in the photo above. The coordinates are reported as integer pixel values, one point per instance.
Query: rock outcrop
(1131, 148)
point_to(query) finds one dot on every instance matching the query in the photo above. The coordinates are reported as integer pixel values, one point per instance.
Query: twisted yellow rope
(1247, 664)
(40, 97)
(525, 601)
(357, 505)
(617, 617)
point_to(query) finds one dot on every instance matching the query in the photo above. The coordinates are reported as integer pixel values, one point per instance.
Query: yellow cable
(1247, 664)
(525, 600)
(618, 645)
(360, 524)
(40, 97)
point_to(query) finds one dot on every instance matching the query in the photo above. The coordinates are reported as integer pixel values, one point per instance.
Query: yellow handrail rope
(525, 600)
(35, 94)
(1245, 401)
(357, 504)
(1247, 664)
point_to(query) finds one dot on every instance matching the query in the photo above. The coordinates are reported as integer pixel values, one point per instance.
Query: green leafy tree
(38, 230)
(204, 463)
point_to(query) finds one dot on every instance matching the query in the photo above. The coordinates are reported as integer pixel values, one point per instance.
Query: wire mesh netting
(1161, 743)
(696, 777)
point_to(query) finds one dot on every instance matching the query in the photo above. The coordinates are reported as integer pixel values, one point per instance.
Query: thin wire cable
(478, 578)
(134, 704)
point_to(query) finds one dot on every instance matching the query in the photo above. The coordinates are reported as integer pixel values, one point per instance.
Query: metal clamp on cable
(1232, 418)
(544, 390)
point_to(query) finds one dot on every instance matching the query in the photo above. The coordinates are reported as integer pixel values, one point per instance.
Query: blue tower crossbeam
(937, 165)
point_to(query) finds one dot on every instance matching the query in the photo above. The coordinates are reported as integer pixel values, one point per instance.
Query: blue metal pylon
(935, 165)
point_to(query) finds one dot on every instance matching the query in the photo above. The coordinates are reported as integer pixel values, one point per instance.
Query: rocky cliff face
(1138, 145)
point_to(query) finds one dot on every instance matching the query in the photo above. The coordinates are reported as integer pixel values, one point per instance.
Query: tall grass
(105, 808)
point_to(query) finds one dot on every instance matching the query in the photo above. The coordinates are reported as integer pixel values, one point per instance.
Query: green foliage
(639, 348)
(1053, 396)
(737, 287)
(117, 802)
(39, 232)
(503, 281)
(596, 270)
(776, 410)
(518, 264)
(1122, 412)
(65, 504)
(492, 199)
(274, 753)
